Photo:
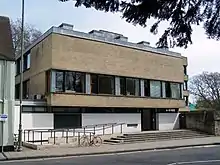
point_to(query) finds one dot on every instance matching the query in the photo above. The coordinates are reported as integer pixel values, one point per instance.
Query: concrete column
(163, 90)
(181, 89)
(137, 87)
(117, 86)
(7, 88)
(88, 83)
(142, 87)
(53, 81)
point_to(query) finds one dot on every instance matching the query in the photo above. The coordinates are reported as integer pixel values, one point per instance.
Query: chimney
(66, 26)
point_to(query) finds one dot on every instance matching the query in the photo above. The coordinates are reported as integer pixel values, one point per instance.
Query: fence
(44, 136)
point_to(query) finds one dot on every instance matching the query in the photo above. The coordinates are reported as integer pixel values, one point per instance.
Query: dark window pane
(59, 76)
(146, 88)
(26, 85)
(25, 63)
(18, 66)
(130, 86)
(94, 84)
(168, 89)
(80, 82)
(106, 84)
(185, 69)
(17, 91)
(122, 86)
(70, 79)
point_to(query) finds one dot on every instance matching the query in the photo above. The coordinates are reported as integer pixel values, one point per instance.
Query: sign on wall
(3, 117)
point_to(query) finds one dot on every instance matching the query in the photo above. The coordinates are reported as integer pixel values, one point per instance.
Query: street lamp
(21, 80)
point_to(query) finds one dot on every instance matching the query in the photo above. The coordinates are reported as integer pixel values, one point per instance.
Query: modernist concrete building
(99, 77)
(7, 85)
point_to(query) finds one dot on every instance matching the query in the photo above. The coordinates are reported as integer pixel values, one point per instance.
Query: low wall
(205, 121)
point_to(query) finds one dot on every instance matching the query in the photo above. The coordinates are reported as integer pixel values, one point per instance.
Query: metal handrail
(87, 126)
(66, 132)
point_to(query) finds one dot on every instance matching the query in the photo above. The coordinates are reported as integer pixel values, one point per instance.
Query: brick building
(99, 77)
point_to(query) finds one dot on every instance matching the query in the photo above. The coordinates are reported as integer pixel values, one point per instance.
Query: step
(117, 138)
(170, 134)
(167, 136)
(112, 141)
(159, 139)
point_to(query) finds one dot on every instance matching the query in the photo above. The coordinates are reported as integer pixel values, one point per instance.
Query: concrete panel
(104, 118)
(168, 121)
(71, 53)
(111, 101)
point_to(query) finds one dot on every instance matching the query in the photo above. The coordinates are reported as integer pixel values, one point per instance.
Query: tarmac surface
(209, 155)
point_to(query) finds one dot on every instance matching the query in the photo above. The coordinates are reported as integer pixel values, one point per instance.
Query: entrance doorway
(148, 119)
(182, 121)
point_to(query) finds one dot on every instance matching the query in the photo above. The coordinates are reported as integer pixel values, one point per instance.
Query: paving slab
(107, 149)
(2, 157)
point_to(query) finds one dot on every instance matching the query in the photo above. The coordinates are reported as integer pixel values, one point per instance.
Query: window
(67, 81)
(130, 86)
(185, 69)
(80, 82)
(122, 86)
(146, 88)
(155, 89)
(18, 66)
(59, 81)
(26, 62)
(185, 85)
(94, 84)
(101, 84)
(17, 91)
(26, 85)
(70, 80)
(168, 89)
(175, 90)
(106, 84)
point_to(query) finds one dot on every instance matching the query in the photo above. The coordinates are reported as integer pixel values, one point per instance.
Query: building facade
(7, 86)
(96, 77)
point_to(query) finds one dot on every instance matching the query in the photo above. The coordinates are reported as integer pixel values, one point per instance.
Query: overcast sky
(203, 54)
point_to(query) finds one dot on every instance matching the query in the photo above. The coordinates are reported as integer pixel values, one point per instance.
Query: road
(196, 156)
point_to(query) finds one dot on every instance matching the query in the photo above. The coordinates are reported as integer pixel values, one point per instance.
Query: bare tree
(206, 88)
(30, 35)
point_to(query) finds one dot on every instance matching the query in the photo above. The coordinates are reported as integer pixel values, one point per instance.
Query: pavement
(108, 149)
(186, 156)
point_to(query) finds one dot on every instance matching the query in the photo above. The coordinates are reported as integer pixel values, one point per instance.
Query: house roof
(6, 45)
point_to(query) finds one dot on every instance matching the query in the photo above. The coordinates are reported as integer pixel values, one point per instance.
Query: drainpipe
(3, 98)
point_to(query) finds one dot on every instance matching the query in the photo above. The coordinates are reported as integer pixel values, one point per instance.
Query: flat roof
(107, 40)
